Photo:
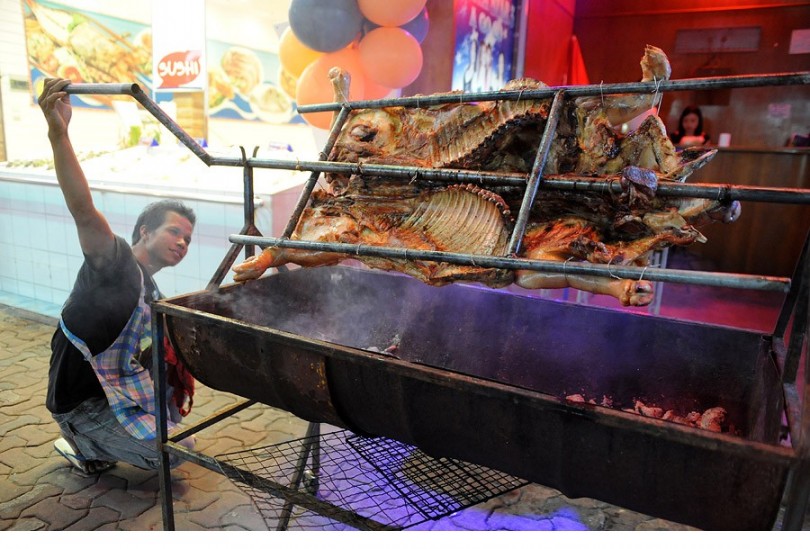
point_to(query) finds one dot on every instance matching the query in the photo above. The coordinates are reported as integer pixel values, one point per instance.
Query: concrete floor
(39, 491)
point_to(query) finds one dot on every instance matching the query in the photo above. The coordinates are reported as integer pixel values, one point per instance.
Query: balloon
(293, 55)
(392, 13)
(418, 26)
(374, 90)
(391, 56)
(325, 25)
(314, 85)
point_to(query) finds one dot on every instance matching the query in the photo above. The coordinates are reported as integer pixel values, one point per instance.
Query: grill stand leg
(797, 497)
(313, 448)
(159, 377)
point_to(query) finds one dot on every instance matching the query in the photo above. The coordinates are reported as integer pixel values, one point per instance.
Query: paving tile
(18, 459)
(56, 515)
(211, 515)
(95, 519)
(151, 519)
(12, 508)
(28, 524)
(126, 503)
(10, 490)
(32, 476)
(67, 479)
(8, 425)
(246, 517)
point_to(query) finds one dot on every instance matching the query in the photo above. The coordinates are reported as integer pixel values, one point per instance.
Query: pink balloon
(391, 57)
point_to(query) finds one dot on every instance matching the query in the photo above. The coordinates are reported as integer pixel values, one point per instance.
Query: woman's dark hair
(691, 109)
(154, 215)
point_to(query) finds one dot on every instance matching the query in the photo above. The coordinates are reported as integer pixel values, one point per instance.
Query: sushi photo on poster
(85, 47)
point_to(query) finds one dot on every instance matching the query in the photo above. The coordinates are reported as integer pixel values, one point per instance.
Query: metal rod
(162, 429)
(788, 307)
(135, 91)
(313, 431)
(720, 82)
(725, 280)
(536, 175)
(665, 188)
(430, 176)
(223, 413)
(249, 206)
(337, 124)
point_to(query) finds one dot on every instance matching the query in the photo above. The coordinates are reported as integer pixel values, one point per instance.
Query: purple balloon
(418, 26)
(325, 25)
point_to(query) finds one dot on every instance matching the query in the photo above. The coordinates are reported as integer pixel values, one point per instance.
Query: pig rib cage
(795, 309)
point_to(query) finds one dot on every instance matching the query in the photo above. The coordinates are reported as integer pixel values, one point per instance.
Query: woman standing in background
(690, 129)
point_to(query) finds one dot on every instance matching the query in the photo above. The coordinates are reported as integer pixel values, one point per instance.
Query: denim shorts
(96, 432)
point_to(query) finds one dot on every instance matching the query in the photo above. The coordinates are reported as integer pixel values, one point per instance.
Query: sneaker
(84, 467)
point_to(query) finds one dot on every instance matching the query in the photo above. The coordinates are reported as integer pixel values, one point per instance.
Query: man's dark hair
(154, 215)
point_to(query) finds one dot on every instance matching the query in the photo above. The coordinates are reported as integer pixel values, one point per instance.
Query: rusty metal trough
(481, 375)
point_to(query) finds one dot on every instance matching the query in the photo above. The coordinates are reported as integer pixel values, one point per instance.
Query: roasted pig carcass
(621, 228)
(460, 218)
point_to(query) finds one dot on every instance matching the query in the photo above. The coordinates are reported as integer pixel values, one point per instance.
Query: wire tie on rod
(655, 96)
(602, 93)
(565, 264)
(640, 278)
(608, 269)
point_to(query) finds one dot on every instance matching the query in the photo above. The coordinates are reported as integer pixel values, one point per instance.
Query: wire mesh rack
(379, 483)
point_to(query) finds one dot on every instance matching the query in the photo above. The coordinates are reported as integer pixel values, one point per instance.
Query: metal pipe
(337, 124)
(161, 421)
(536, 175)
(720, 82)
(724, 280)
(431, 177)
(665, 188)
(135, 91)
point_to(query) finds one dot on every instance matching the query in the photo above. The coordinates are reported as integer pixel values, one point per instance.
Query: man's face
(168, 244)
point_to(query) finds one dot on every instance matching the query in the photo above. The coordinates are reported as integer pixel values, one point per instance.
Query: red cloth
(577, 75)
(179, 378)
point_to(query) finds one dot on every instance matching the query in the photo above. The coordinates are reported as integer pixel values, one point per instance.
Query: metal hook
(602, 93)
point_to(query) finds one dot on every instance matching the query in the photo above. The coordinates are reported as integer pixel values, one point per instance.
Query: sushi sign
(178, 50)
(179, 68)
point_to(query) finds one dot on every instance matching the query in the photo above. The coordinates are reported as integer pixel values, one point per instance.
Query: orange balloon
(314, 85)
(293, 55)
(374, 90)
(391, 56)
(392, 13)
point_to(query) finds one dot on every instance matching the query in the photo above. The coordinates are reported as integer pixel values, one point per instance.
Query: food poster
(243, 84)
(84, 46)
(484, 44)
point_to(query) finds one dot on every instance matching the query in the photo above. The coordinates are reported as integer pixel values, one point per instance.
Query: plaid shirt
(126, 383)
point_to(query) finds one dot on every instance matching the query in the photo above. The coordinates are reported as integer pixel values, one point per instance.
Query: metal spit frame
(796, 310)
